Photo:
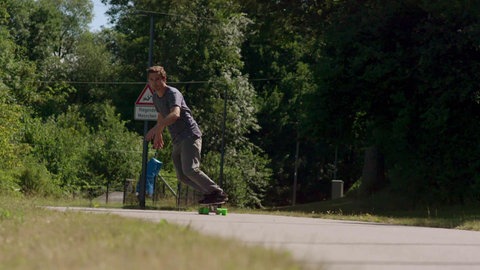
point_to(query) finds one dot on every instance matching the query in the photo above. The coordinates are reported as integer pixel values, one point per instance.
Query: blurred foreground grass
(32, 237)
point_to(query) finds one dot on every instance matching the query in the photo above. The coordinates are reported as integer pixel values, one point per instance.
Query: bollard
(153, 168)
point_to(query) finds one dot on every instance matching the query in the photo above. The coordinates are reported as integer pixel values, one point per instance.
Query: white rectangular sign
(147, 113)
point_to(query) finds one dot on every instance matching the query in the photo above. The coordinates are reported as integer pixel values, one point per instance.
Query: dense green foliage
(58, 137)
(402, 75)
(348, 75)
(340, 79)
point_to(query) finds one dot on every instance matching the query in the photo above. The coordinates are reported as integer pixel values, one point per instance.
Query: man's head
(157, 78)
(158, 70)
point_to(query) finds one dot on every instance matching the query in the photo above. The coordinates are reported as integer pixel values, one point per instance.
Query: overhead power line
(181, 16)
(143, 82)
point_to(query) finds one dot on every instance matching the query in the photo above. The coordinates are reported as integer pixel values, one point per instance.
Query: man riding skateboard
(174, 114)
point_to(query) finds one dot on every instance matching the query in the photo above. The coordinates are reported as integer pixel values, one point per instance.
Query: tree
(281, 53)
(114, 151)
(93, 66)
(47, 33)
(82, 156)
(62, 144)
(402, 72)
(78, 141)
(11, 113)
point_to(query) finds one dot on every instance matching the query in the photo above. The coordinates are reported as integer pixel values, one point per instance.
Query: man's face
(155, 81)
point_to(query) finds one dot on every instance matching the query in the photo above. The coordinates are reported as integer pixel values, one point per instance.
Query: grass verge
(32, 237)
(465, 217)
(380, 208)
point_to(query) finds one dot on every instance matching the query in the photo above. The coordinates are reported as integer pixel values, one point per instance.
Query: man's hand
(156, 135)
(158, 141)
(150, 134)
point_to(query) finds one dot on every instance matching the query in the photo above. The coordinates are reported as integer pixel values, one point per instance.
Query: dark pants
(186, 159)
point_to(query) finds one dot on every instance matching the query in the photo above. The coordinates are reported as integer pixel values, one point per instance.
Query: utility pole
(143, 178)
(295, 173)
(222, 156)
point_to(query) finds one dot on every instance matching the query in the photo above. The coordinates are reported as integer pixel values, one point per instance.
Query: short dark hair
(159, 70)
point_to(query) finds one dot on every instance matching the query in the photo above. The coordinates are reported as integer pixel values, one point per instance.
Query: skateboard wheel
(204, 211)
(222, 211)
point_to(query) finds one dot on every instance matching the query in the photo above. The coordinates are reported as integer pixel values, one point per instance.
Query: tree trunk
(373, 173)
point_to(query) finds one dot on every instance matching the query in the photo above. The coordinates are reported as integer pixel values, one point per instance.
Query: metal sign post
(144, 112)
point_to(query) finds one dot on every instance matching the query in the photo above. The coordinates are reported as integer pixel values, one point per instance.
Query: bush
(10, 131)
(115, 153)
(78, 156)
(36, 180)
(9, 183)
(61, 144)
(246, 176)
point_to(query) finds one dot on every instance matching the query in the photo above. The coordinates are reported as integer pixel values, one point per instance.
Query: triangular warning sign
(146, 97)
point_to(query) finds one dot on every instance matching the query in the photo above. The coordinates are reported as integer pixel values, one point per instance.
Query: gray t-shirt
(185, 126)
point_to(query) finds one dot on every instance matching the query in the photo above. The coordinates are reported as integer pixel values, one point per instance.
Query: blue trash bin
(153, 168)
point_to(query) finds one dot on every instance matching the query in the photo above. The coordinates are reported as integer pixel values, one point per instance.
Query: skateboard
(216, 208)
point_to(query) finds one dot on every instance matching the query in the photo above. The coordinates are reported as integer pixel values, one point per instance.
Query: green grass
(380, 208)
(383, 210)
(32, 237)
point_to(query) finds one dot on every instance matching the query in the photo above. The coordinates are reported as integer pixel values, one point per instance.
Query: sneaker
(215, 197)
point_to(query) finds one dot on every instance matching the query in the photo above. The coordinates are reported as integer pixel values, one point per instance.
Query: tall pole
(143, 179)
(335, 163)
(294, 199)
(222, 157)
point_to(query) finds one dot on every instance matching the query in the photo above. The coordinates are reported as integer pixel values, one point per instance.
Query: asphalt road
(332, 244)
